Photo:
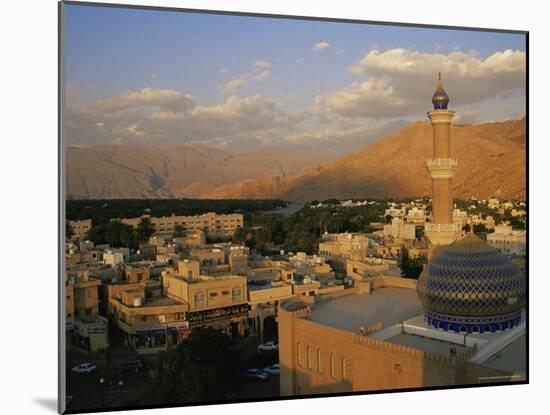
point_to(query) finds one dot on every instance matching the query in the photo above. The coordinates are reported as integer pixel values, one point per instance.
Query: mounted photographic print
(259, 207)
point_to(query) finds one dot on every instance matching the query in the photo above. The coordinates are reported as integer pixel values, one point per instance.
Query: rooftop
(427, 344)
(384, 305)
(512, 358)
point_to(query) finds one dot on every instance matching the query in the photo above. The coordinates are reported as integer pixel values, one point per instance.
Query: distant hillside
(112, 172)
(491, 157)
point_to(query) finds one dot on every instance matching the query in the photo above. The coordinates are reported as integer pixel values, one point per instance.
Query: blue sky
(111, 52)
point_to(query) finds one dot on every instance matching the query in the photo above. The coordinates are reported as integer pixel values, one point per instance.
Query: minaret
(441, 230)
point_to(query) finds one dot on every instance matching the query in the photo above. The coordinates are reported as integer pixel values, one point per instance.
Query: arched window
(475, 329)
(309, 358)
(300, 355)
(463, 329)
(236, 293)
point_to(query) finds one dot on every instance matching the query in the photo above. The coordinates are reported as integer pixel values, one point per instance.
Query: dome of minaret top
(440, 98)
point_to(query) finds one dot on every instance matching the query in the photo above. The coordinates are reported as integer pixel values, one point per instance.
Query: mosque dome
(440, 98)
(470, 286)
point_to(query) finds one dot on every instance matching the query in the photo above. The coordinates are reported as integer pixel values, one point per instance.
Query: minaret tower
(442, 167)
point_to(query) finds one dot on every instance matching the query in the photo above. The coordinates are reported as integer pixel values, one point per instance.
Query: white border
(28, 106)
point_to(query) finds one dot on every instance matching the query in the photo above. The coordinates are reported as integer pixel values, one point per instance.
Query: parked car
(268, 346)
(84, 368)
(273, 369)
(257, 374)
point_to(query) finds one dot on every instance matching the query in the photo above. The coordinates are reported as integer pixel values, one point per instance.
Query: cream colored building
(361, 269)
(373, 337)
(80, 228)
(210, 223)
(508, 241)
(399, 228)
(219, 302)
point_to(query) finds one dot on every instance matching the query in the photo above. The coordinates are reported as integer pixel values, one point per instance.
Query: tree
(412, 267)
(145, 229)
(69, 232)
(203, 368)
(178, 231)
(239, 236)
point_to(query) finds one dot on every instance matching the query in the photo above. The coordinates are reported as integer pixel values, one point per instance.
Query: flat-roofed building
(374, 337)
(150, 324)
(369, 267)
(80, 228)
(219, 302)
(136, 273)
(85, 292)
(337, 247)
(210, 223)
(310, 264)
(91, 333)
(507, 240)
(399, 228)
(263, 300)
(191, 240)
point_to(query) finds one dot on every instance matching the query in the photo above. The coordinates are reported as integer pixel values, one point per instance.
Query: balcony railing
(442, 162)
(442, 227)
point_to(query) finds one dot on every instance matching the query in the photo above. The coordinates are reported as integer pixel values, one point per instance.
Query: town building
(416, 216)
(219, 302)
(80, 228)
(210, 223)
(508, 241)
(150, 323)
(399, 228)
(337, 247)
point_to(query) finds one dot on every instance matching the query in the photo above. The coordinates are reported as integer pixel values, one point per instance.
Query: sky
(159, 78)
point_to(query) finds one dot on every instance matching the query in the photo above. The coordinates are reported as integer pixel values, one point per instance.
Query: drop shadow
(48, 403)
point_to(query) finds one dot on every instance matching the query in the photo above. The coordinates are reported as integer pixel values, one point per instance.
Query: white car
(84, 368)
(267, 347)
(273, 369)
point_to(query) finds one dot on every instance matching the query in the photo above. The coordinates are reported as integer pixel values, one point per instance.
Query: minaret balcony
(442, 168)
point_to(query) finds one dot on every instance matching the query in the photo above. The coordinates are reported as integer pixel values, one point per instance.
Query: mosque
(461, 323)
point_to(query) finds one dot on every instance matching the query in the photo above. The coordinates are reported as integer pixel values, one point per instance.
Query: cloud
(160, 98)
(234, 85)
(372, 98)
(320, 46)
(260, 63)
(401, 81)
(136, 118)
(262, 76)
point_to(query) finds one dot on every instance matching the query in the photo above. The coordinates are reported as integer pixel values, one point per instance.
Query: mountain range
(491, 162)
(119, 171)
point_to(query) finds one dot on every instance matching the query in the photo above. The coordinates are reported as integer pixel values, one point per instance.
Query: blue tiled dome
(470, 286)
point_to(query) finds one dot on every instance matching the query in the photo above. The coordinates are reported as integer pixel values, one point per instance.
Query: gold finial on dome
(440, 98)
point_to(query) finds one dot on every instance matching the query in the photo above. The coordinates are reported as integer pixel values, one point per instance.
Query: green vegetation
(268, 233)
(101, 211)
(178, 231)
(69, 232)
(412, 267)
(203, 368)
(117, 234)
